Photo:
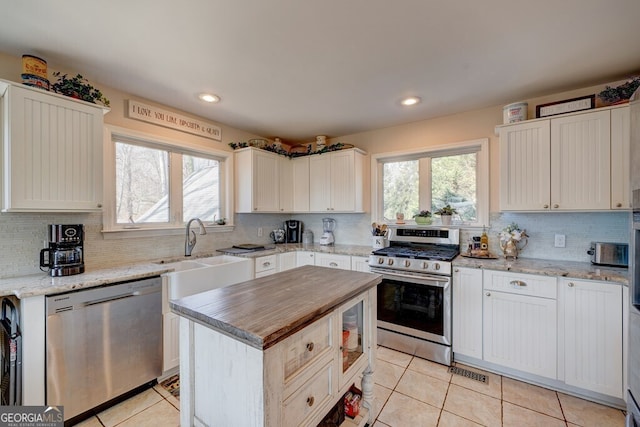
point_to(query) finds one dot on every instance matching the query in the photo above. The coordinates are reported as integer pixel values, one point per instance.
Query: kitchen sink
(201, 275)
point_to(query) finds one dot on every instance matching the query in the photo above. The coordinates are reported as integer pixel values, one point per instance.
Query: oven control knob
(407, 263)
(380, 260)
(425, 265)
(436, 266)
(390, 261)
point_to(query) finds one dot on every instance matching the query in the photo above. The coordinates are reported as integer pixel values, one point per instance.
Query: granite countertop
(264, 311)
(43, 284)
(574, 269)
(353, 250)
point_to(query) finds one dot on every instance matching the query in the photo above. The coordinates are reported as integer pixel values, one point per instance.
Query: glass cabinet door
(353, 334)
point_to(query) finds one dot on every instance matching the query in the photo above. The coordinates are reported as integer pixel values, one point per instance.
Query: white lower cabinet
(171, 340)
(333, 261)
(592, 314)
(467, 312)
(286, 261)
(360, 263)
(265, 265)
(305, 258)
(520, 322)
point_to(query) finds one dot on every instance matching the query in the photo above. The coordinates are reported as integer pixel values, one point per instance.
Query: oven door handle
(440, 281)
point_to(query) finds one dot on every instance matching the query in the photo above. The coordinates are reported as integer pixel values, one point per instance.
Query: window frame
(480, 146)
(112, 229)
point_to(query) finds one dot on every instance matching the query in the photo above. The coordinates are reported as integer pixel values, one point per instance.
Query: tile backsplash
(24, 234)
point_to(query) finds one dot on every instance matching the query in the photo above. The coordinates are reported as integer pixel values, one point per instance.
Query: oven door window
(415, 306)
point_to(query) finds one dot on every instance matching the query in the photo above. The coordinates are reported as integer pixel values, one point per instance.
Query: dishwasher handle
(111, 298)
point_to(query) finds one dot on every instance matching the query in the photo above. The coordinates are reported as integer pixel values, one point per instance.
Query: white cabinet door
(593, 335)
(620, 157)
(333, 261)
(257, 181)
(520, 332)
(286, 261)
(170, 341)
(285, 179)
(467, 312)
(300, 180)
(52, 152)
(525, 151)
(337, 181)
(360, 263)
(265, 265)
(319, 183)
(581, 161)
(305, 258)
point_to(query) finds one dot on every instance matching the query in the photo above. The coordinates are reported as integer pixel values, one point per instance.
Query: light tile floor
(412, 392)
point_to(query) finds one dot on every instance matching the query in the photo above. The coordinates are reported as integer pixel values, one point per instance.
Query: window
(456, 175)
(152, 184)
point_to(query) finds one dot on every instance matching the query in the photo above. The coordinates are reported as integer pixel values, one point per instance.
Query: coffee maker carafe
(65, 254)
(293, 231)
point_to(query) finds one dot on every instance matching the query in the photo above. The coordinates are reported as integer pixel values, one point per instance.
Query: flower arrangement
(611, 95)
(513, 231)
(423, 213)
(446, 210)
(78, 87)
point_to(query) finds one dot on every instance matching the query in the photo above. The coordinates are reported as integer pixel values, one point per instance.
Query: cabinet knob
(618, 205)
(100, 205)
(546, 206)
(456, 270)
(488, 294)
(519, 283)
(333, 264)
(571, 284)
(266, 264)
(556, 206)
(310, 400)
(310, 346)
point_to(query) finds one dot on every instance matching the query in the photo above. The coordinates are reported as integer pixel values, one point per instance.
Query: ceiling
(296, 69)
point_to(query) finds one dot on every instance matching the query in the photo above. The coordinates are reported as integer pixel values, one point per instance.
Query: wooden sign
(158, 116)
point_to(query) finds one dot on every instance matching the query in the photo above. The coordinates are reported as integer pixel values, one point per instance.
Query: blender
(328, 225)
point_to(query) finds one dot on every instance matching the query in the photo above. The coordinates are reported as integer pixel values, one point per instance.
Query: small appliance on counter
(328, 225)
(65, 254)
(307, 237)
(278, 236)
(611, 254)
(293, 231)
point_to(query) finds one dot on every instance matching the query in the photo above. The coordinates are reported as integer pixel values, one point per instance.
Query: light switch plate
(559, 241)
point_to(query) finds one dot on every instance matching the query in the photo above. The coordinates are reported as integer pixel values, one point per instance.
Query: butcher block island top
(264, 311)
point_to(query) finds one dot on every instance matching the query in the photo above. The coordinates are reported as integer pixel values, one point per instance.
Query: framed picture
(566, 106)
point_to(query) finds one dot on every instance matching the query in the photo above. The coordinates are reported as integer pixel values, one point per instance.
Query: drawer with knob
(309, 398)
(522, 284)
(308, 345)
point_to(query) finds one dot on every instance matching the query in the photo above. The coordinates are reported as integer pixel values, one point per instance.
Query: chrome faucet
(190, 241)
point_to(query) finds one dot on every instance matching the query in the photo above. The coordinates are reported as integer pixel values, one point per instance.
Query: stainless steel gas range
(414, 298)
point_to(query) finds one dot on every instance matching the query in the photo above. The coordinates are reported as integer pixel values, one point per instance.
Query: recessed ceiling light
(412, 100)
(207, 97)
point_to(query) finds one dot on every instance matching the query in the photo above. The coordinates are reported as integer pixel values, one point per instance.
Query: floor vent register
(469, 374)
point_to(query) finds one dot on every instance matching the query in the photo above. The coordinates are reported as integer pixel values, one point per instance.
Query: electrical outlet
(259, 231)
(559, 241)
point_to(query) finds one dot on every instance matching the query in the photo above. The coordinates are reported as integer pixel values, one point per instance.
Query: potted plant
(423, 217)
(78, 87)
(622, 93)
(445, 213)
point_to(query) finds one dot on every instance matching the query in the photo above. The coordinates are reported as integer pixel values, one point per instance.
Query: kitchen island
(280, 350)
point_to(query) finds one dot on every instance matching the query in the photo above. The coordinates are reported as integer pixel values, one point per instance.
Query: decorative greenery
(513, 231)
(446, 210)
(78, 87)
(423, 213)
(623, 92)
(276, 148)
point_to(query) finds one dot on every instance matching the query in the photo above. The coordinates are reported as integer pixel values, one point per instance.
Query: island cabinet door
(353, 321)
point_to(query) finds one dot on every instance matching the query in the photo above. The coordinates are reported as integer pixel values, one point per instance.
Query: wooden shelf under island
(269, 351)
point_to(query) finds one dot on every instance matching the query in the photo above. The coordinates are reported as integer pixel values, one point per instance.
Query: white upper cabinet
(285, 196)
(569, 163)
(300, 183)
(620, 160)
(337, 181)
(525, 167)
(581, 162)
(51, 151)
(257, 176)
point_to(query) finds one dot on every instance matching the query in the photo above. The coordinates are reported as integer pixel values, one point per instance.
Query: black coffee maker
(65, 254)
(293, 231)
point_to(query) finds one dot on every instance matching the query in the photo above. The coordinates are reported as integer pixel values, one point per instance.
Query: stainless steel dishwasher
(102, 342)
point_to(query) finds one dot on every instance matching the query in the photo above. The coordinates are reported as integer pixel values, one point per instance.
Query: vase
(423, 220)
(446, 219)
(510, 247)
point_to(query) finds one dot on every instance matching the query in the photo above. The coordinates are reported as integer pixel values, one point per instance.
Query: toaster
(613, 254)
